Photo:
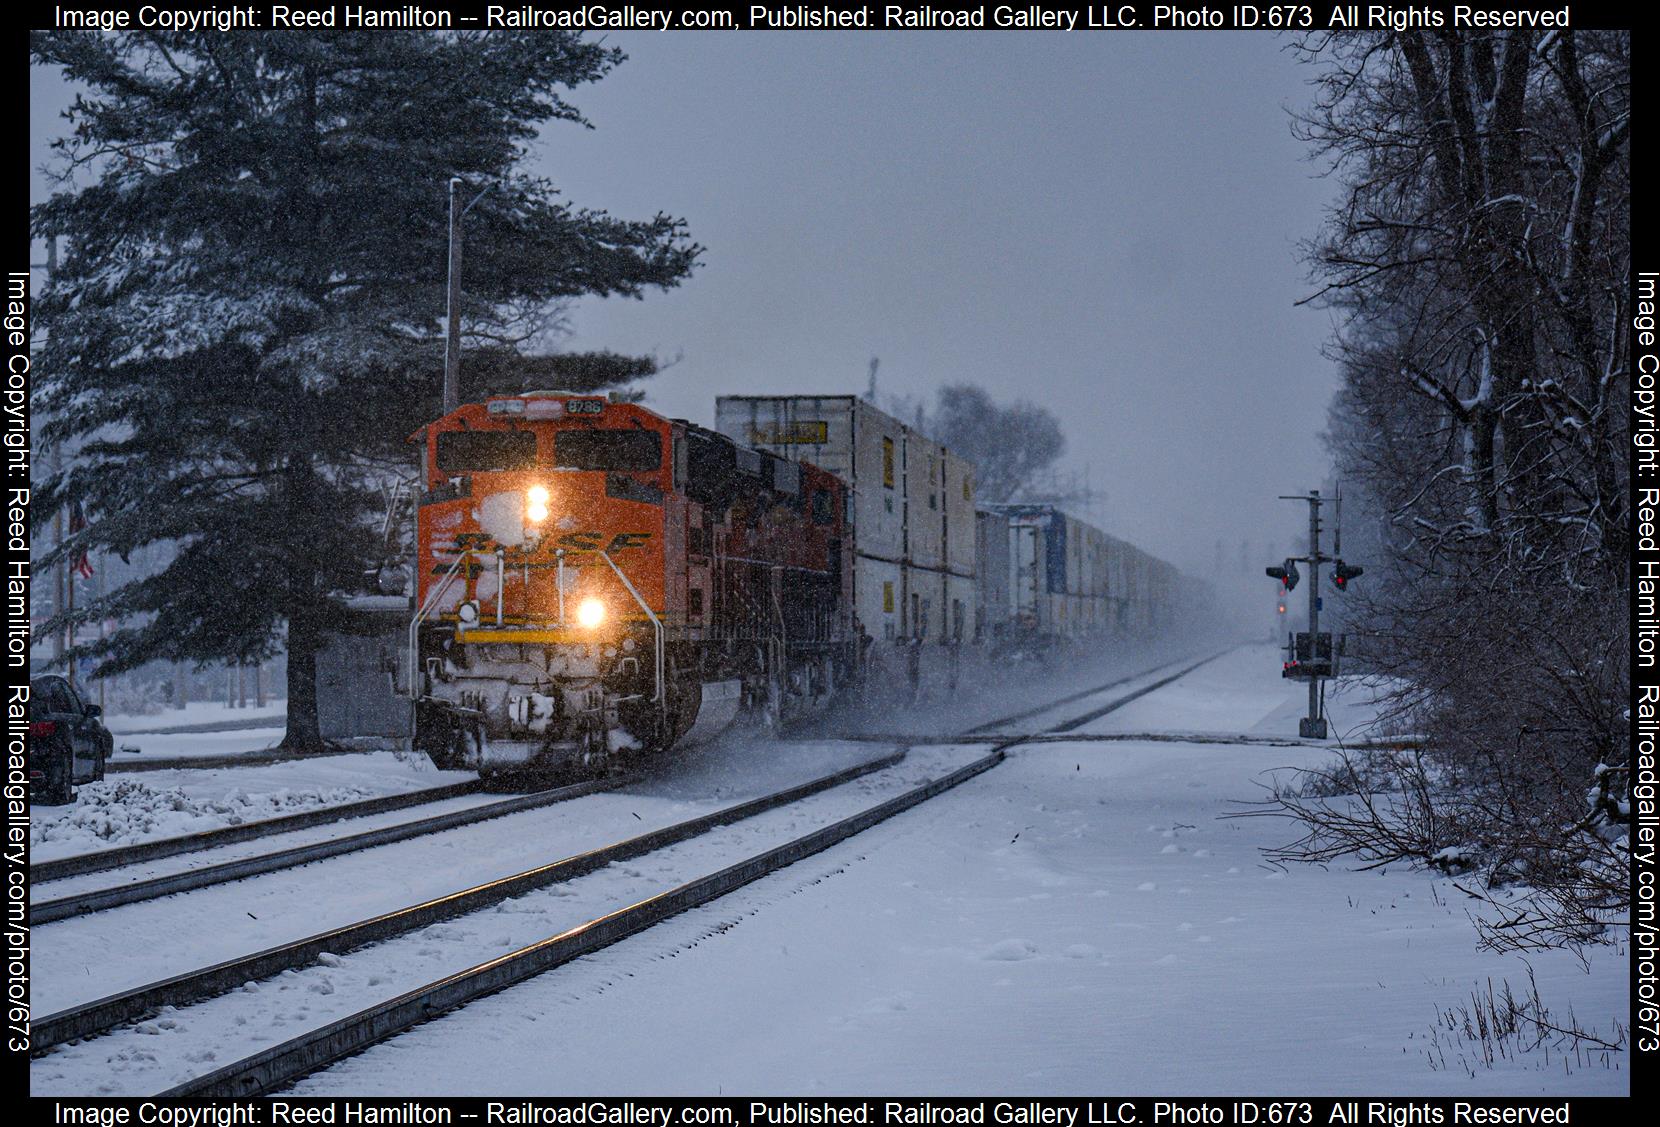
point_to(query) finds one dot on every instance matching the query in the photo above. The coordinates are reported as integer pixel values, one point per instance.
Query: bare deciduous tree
(1011, 446)
(1479, 259)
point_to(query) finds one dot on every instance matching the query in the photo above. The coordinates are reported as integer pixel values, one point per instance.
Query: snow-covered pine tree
(245, 325)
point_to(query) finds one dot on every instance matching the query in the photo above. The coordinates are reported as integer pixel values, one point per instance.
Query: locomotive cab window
(627, 450)
(484, 451)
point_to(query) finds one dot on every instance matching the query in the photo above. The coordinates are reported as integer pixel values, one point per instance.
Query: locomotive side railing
(657, 697)
(420, 616)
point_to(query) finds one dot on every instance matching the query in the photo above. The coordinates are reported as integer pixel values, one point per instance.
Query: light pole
(452, 339)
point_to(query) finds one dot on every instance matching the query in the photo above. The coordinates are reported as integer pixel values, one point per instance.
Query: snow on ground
(1353, 704)
(1222, 696)
(77, 960)
(219, 855)
(187, 1041)
(1048, 718)
(992, 689)
(127, 809)
(189, 745)
(1080, 919)
(197, 712)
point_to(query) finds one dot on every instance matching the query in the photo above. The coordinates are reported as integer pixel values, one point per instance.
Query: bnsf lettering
(571, 542)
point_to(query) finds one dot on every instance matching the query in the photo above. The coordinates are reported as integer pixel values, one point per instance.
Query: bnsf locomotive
(597, 579)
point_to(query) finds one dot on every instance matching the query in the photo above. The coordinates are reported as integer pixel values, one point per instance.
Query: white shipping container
(960, 517)
(925, 545)
(878, 597)
(903, 508)
(840, 433)
(992, 607)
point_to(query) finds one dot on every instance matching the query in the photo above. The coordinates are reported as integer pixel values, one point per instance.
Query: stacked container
(1058, 576)
(991, 618)
(913, 507)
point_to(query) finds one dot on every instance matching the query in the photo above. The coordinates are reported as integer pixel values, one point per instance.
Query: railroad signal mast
(1311, 657)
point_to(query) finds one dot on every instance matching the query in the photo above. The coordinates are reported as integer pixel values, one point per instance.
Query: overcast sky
(1104, 223)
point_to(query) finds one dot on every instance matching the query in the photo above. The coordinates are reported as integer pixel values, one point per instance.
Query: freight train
(595, 580)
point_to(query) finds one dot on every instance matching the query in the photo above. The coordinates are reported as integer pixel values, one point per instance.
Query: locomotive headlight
(590, 612)
(536, 504)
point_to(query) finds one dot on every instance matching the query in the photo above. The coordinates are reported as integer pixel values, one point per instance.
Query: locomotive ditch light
(590, 612)
(536, 504)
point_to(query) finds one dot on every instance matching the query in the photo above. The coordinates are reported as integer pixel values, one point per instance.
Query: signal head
(1342, 573)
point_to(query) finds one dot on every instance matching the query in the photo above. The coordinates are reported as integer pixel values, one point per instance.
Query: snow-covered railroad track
(1241, 739)
(270, 1069)
(273, 1066)
(404, 943)
(97, 900)
(1072, 719)
(136, 891)
(991, 726)
(194, 986)
(105, 859)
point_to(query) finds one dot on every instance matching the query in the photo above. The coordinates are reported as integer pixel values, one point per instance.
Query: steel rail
(194, 986)
(98, 900)
(1068, 699)
(267, 1070)
(88, 863)
(270, 1068)
(103, 859)
(1096, 714)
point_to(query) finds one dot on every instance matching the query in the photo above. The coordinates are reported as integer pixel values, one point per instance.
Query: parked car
(68, 743)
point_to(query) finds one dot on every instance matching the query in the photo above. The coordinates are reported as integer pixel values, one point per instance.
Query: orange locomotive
(595, 578)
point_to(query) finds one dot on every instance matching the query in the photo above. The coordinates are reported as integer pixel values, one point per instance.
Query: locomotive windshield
(484, 451)
(607, 449)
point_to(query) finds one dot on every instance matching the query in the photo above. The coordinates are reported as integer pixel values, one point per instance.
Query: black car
(68, 743)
